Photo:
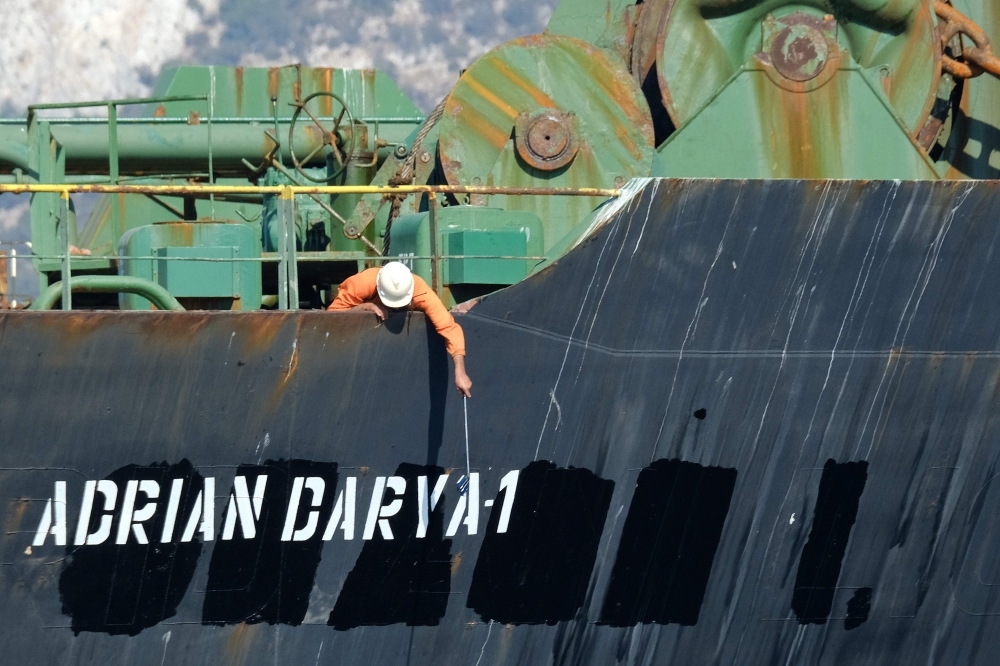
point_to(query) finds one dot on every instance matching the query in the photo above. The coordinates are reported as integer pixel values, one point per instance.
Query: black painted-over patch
(668, 544)
(123, 589)
(265, 579)
(858, 608)
(840, 491)
(539, 570)
(404, 580)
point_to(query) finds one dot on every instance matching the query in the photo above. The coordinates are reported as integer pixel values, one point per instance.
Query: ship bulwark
(743, 423)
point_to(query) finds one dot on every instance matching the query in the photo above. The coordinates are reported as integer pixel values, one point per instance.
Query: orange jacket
(361, 288)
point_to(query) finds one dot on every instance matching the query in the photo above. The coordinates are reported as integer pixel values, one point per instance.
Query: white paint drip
(626, 194)
(693, 324)
(611, 273)
(569, 345)
(266, 442)
(642, 231)
(923, 279)
(552, 395)
(166, 642)
(856, 294)
(291, 360)
(817, 232)
(488, 632)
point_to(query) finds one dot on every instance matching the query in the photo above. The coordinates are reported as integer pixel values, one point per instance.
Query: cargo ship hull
(744, 422)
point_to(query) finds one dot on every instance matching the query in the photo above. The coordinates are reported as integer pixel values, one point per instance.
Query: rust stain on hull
(240, 92)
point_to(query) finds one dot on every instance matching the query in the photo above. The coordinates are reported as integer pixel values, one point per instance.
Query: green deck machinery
(611, 91)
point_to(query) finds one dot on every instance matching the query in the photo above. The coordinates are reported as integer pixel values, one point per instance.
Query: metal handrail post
(12, 281)
(211, 116)
(291, 263)
(432, 207)
(116, 230)
(282, 254)
(67, 298)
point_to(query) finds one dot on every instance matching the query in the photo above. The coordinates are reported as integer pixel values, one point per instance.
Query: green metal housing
(468, 236)
(205, 265)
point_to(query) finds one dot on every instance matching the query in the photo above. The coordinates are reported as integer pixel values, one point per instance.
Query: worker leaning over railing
(392, 288)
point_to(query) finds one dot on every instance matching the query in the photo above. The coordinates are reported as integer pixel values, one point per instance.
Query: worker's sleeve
(355, 290)
(426, 300)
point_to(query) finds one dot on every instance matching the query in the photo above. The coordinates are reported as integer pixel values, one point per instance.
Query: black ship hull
(744, 423)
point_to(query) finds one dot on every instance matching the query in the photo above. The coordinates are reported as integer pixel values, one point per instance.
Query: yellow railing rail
(294, 190)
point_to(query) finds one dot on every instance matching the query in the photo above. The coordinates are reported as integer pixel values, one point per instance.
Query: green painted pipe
(158, 148)
(151, 291)
(14, 147)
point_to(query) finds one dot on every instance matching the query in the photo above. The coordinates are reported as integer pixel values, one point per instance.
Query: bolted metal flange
(546, 139)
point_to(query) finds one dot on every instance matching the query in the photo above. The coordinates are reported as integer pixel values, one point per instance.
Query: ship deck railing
(287, 257)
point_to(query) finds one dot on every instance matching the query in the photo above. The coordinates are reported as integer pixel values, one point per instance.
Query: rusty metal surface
(647, 32)
(800, 49)
(547, 139)
(824, 353)
(979, 57)
(703, 43)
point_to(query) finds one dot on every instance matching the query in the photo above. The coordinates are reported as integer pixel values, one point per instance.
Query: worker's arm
(355, 293)
(462, 381)
(426, 300)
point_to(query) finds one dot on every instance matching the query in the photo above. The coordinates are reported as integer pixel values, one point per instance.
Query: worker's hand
(378, 310)
(462, 382)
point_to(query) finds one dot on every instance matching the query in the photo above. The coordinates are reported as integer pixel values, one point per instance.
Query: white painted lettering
(202, 517)
(132, 518)
(373, 508)
(173, 504)
(343, 507)
(317, 485)
(239, 505)
(509, 485)
(110, 492)
(293, 509)
(427, 501)
(53, 518)
(470, 501)
(377, 512)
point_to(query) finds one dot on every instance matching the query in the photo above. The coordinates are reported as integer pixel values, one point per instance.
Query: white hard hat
(395, 285)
